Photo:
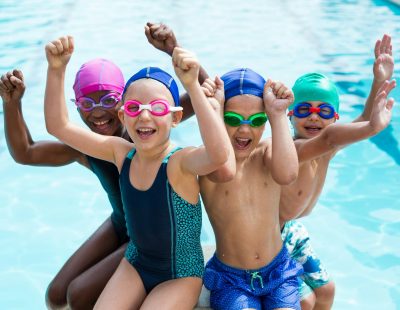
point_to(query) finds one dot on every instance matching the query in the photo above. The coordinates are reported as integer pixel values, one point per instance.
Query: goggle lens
(305, 109)
(234, 119)
(87, 104)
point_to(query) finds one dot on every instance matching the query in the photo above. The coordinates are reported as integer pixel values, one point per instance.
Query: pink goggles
(158, 107)
(87, 104)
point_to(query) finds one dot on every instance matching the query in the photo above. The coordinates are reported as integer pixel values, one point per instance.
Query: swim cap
(243, 81)
(315, 87)
(158, 75)
(98, 74)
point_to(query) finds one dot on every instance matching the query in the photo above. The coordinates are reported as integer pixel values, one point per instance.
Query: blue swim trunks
(273, 286)
(295, 238)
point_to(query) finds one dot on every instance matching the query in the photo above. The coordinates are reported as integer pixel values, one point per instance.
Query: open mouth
(313, 129)
(145, 133)
(242, 143)
(102, 124)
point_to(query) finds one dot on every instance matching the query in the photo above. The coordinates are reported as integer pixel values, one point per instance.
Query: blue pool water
(46, 213)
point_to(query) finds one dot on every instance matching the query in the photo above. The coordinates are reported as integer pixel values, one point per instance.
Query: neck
(155, 153)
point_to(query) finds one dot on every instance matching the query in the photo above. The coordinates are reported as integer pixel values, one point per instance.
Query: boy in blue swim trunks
(251, 268)
(318, 138)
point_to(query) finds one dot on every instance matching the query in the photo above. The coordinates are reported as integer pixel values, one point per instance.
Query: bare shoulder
(121, 151)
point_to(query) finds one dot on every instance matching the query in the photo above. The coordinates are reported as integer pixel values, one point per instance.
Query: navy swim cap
(158, 75)
(243, 81)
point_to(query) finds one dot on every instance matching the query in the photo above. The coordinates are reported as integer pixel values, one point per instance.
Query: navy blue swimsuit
(108, 176)
(165, 229)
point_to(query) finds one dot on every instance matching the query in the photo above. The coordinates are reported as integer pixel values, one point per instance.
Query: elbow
(286, 179)
(286, 175)
(219, 158)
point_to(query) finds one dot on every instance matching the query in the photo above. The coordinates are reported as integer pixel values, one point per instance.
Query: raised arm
(20, 143)
(336, 136)
(214, 91)
(163, 38)
(58, 53)
(215, 152)
(382, 69)
(282, 161)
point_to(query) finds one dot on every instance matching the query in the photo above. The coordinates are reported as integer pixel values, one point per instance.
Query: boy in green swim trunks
(317, 139)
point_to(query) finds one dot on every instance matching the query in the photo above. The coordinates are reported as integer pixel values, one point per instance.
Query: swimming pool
(48, 212)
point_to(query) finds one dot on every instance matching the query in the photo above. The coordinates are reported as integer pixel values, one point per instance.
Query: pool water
(46, 213)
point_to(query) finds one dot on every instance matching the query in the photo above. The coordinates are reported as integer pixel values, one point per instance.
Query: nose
(313, 116)
(98, 112)
(244, 128)
(145, 115)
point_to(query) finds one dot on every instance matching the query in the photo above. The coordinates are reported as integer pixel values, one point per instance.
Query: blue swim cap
(158, 75)
(243, 81)
(315, 87)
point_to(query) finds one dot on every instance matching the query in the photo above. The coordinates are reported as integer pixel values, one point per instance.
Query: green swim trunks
(295, 238)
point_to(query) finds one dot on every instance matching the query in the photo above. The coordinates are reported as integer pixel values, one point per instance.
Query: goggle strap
(174, 109)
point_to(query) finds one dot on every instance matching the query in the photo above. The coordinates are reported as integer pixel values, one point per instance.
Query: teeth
(242, 139)
(145, 129)
(100, 123)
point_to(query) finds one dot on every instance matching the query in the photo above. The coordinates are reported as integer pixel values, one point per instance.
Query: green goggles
(234, 119)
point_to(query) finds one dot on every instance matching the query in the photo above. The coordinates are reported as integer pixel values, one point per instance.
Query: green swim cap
(315, 87)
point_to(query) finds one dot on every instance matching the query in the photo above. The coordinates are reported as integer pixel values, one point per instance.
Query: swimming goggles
(234, 119)
(305, 109)
(158, 107)
(87, 104)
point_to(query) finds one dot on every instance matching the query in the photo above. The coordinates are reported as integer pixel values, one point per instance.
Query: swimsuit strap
(165, 160)
(131, 153)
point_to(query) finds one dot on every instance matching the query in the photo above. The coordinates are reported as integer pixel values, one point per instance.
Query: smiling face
(244, 138)
(146, 130)
(102, 120)
(310, 126)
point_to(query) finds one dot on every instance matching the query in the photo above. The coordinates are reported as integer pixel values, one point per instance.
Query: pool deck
(204, 299)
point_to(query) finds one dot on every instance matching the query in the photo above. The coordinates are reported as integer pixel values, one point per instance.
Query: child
(317, 139)
(82, 278)
(250, 268)
(159, 184)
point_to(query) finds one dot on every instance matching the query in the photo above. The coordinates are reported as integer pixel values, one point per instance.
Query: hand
(382, 110)
(58, 52)
(161, 37)
(12, 86)
(277, 97)
(186, 67)
(384, 63)
(214, 91)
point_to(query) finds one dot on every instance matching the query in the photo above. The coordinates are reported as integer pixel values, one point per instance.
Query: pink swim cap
(98, 74)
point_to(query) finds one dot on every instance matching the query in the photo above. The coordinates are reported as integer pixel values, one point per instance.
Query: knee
(56, 295)
(77, 297)
(308, 302)
(326, 293)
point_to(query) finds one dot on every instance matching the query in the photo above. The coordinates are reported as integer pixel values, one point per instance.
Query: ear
(176, 118)
(121, 116)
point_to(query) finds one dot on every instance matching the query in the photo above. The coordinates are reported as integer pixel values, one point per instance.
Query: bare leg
(179, 294)
(103, 242)
(84, 290)
(308, 302)
(324, 296)
(125, 289)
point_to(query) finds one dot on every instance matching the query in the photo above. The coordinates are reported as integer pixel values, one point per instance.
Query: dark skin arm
(20, 143)
(163, 38)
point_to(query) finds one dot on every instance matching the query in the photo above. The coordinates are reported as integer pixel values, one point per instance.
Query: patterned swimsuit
(164, 229)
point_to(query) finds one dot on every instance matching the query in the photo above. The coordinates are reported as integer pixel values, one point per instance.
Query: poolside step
(204, 299)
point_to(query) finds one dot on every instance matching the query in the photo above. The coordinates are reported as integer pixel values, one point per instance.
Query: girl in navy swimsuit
(163, 265)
